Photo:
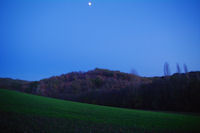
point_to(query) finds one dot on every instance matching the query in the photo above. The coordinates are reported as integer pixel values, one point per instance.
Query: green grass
(67, 116)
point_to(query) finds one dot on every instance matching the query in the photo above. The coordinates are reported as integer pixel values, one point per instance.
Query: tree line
(167, 69)
(178, 92)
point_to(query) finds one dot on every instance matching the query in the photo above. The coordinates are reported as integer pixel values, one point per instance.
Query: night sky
(42, 38)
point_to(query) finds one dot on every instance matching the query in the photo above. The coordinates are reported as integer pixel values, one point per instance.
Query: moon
(89, 3)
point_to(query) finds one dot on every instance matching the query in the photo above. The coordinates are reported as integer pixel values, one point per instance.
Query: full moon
(89, 3)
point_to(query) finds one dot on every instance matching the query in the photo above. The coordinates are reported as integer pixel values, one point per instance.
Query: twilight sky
(42, 38)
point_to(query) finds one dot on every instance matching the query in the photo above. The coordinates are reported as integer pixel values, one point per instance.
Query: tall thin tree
(178, 68)
(166, 69)
(185, 68)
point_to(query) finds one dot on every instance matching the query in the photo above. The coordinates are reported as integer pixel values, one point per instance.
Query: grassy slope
(97, 116)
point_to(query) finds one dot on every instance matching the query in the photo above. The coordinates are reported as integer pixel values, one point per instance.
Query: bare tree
(178, 68)
(185, 68)
(134, 72)
(166, 69)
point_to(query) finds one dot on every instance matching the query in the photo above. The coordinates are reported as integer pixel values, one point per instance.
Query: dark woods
(179, 92)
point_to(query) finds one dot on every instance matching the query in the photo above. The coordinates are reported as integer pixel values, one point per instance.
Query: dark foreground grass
(20, 112)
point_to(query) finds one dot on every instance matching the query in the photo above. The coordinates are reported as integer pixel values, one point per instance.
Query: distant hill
(13, 84)
(179, 92)
(67, 86)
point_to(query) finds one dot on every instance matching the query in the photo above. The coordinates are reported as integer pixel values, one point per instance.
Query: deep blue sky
(42, 38)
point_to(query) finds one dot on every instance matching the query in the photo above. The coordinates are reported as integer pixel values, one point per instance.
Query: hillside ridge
(178, 92)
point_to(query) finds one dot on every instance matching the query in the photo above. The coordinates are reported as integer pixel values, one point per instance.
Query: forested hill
(68, 85)
(179, 92)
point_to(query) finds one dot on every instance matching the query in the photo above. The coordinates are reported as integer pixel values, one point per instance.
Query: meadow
(21, 112)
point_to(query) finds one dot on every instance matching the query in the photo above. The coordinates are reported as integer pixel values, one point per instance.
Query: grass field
(20, 112)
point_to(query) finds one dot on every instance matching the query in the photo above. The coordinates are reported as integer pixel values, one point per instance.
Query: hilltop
(178, 92)
(66, 86)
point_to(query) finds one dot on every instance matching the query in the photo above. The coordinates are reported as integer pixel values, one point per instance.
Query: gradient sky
(42, 38)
